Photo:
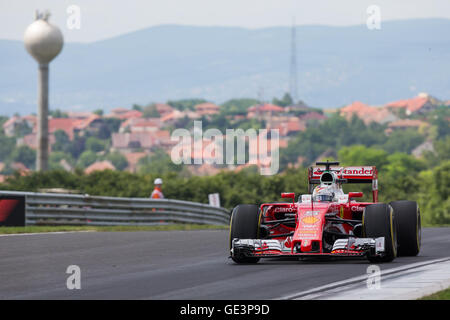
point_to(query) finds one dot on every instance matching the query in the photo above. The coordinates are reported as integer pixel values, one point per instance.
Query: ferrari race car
(327, 222)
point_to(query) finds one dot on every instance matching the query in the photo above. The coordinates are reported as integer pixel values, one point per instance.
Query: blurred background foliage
(425, 179)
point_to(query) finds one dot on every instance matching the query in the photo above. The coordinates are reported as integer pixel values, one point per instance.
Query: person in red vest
(157, 192)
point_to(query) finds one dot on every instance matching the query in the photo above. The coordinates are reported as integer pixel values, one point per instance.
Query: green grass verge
(441, 295)
(168, 227)
(442, 225)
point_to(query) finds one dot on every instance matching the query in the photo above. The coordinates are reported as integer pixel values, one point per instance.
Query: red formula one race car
(327, 222)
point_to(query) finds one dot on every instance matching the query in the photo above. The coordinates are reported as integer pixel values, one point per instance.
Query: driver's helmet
(323, 194)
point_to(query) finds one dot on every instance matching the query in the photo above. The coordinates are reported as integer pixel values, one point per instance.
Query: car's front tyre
(244, 224)
(378, 221)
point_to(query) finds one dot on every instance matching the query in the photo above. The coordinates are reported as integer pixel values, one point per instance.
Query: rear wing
(363, 174)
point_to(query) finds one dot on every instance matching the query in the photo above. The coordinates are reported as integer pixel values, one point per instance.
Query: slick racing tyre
(409, 230)
(244, 224)
(378, 221)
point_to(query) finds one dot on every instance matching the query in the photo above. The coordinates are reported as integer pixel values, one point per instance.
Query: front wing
(351, 247)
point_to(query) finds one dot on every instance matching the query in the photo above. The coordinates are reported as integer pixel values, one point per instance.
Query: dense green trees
(7, 145)
(400, 177)
(56, 157)
(403, 141)
(96, 145)
(107, 128)
(87, 158)
(237, 106)
(25, 155)
(150, 111)
(117, 159)
(158, 163)
(359, 155)
(285, 101)
(185, 104)
(336, 133)
(58, 114)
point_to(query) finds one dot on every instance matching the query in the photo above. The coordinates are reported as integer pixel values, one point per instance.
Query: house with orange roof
(140, 125)
(264, 162)
(20, 167)
(123, 113)
(92, 124)
(261, 142)
(99, 166)
(175, 115)
(31, 120)
(367, 113)
(407, 123)
(130, 114)
(30, 140)
(84, 123)
(15, 166)
(421, 104)
(72, 125)
(118, 111)
(264, 111)
(288, 127)
(313, 115)
(67, 125)
(403, 124)
(201, 151)
(163, 109)
(79, 114)
(126, 142)
(11, 126)
(207, 109)
(248, 165)
(299, 107)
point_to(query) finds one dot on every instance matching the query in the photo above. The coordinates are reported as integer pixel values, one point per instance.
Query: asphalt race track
(168, 265)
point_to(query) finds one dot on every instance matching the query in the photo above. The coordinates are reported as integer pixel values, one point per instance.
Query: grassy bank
(441, 295)
(168, 227)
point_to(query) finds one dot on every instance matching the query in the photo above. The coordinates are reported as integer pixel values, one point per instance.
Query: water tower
(44, 42)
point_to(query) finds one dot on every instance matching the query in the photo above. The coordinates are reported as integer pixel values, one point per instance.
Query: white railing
(70, 209)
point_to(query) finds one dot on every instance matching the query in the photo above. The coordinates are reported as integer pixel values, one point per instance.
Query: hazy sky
(102, 19)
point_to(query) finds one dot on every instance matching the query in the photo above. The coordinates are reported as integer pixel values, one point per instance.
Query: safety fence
(75, 209)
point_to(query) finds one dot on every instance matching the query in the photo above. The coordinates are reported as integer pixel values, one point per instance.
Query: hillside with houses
(138, 139)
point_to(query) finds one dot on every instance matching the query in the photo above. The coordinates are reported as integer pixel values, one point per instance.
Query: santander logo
(359, 171)
(349, 171)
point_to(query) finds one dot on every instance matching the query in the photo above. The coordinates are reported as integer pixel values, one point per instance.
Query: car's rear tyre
(378, 221)
(244, 224)
(409, 229)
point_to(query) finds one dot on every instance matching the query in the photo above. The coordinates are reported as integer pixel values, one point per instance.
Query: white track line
(345, 283)
(38, 233)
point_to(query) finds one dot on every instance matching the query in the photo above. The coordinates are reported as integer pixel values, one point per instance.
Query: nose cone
(43, 41)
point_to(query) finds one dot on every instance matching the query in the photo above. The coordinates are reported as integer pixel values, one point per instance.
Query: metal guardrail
(70, 209)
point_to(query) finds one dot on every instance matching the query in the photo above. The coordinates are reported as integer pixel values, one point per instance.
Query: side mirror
(354, 195)
(290, 195)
